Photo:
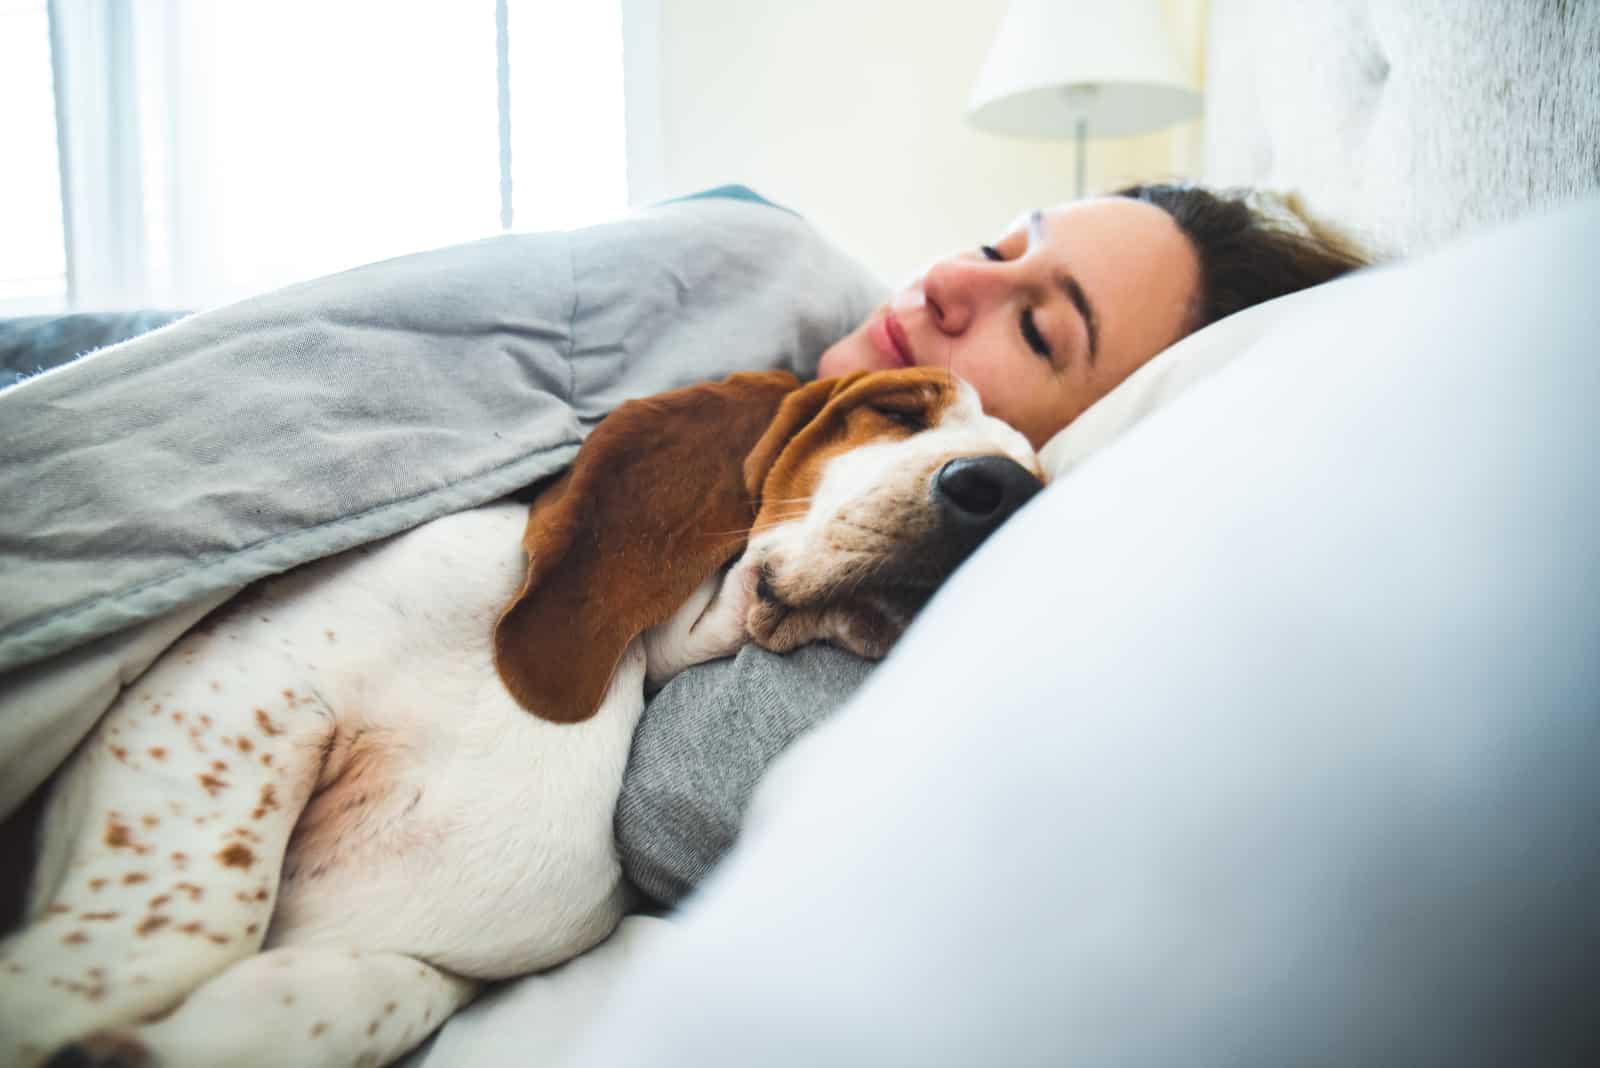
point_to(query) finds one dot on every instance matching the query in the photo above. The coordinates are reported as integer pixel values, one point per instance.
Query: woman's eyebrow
(1069, 285)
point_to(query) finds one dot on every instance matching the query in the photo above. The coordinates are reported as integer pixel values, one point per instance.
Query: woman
(1046, 321)
(1073, 299)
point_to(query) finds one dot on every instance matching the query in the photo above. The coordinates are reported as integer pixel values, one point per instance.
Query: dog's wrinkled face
(887, 489)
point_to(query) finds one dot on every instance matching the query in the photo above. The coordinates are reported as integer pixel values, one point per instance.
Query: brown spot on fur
(120, 752)
(213, 785)
(262, 895)
(264, 721)
(219, 939)
(372, 1028)
(98, 916)
(76, 938)
(219, 766)
(317, 1028)
(159, 900)
(266, 759)
(388, 1008)
(134, 878)
(153, 923)
(191, 928)
(252, 929)
(117, 835)
(245, 744)
(329, 633)
(179, 860)
(97, 885)
(205, 720)
(13, 967)
(58, 908)
(177, 717)
(149, 820)
(237, 856)
(195, 892)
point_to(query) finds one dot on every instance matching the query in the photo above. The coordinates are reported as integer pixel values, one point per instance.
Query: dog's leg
(162, 844)
(300, 1005)
(709, 625)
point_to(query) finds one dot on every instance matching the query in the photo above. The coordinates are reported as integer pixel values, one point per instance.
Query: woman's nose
(959, 291)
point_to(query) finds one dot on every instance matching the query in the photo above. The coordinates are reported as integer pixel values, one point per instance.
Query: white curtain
(216, 148)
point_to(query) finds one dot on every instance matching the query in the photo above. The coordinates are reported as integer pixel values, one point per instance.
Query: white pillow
(1169, 375)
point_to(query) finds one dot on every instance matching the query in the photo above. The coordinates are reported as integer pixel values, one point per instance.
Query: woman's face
(1045, 321)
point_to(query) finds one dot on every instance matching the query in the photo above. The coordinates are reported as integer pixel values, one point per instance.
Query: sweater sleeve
(702, 746)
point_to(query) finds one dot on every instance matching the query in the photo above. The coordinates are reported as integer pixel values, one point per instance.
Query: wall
(853, 113)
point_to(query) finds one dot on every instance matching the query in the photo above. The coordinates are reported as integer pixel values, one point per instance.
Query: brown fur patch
(118, 835)
(237, 856)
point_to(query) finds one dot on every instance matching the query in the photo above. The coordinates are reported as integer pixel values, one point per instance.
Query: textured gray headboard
(1411, 121)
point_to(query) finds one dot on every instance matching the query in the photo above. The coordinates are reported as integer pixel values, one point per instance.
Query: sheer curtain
(209, 149)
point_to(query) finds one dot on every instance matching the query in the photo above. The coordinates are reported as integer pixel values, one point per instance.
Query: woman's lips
(889, 338)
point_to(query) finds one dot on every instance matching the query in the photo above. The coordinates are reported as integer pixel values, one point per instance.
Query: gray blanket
(155, 477)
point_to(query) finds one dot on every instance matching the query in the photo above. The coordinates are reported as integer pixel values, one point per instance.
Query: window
(212, 150)
(33, 255)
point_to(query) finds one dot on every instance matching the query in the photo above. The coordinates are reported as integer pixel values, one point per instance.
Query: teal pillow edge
(730, 192)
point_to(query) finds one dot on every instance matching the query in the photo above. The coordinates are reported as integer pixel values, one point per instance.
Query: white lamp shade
(1053, 62)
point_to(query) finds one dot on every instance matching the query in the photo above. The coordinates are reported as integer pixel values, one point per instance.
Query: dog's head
(855, 497)
(872, 489)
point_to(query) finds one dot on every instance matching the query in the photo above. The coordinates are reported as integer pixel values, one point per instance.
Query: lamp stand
(1082, 138)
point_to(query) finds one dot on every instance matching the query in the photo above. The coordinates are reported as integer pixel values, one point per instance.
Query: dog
(327, 814)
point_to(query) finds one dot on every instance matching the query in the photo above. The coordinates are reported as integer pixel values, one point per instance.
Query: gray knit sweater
(702, 746)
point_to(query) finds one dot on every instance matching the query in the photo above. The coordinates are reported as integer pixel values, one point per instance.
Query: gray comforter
(155, 477)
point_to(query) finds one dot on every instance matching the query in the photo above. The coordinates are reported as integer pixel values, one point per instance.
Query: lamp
(1060, 67)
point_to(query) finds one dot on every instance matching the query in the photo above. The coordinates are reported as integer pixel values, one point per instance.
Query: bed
(1280, 746)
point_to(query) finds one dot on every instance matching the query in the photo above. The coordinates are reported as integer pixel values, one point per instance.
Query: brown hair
(1247, 254)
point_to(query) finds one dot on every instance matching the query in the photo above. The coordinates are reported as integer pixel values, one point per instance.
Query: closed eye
(1031, 334)
(913, 419)
(1030, 328)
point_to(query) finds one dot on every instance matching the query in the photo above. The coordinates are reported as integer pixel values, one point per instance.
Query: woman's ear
(655, 501)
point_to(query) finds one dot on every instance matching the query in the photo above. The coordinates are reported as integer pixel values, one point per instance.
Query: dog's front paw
(109, 1049)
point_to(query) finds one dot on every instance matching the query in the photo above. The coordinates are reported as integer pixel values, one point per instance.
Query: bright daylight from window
(33, 256)
(213, 150)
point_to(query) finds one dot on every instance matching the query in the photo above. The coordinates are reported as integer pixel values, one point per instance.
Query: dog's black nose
(979, 493)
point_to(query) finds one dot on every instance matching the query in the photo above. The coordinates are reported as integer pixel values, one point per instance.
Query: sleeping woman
(1067, 303)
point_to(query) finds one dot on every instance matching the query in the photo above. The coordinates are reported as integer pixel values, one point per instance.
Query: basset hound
(328, 813)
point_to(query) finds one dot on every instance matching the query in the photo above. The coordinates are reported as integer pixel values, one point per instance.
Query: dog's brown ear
(655, 502)
(796, 412)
